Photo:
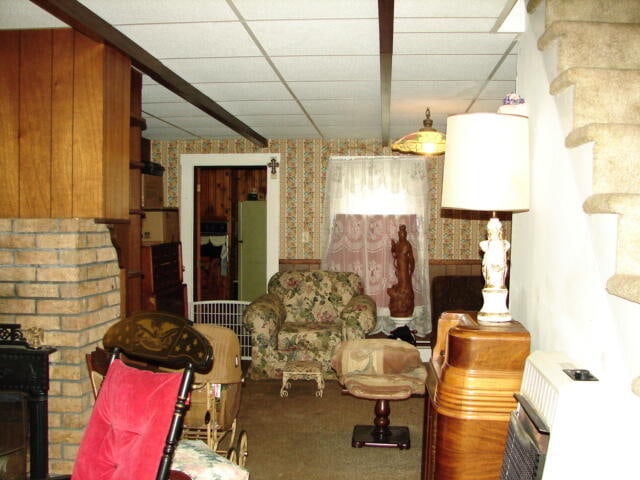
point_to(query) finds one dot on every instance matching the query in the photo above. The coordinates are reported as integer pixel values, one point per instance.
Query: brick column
(61, 275)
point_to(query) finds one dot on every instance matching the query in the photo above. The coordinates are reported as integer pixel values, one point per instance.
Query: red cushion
(128, 426)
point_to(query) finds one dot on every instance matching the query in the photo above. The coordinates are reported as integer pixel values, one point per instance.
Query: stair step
(613, 11)
(619, 203)
(615, 155)
(594, 45)
(601, 95)
(625, 286)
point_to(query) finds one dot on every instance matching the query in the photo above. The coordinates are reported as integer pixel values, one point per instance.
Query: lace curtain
(366, 199)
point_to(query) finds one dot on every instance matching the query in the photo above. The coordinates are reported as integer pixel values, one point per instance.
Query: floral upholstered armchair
(304, 316)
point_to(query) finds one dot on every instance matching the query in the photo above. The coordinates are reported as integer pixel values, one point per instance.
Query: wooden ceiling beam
(85, 21)
(385, 26)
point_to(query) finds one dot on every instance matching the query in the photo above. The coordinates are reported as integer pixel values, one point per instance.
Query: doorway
(189, 228)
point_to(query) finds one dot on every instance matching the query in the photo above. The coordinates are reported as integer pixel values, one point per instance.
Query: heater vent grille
(554, 422)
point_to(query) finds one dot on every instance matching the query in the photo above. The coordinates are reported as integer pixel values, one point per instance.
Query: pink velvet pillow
(128, 425)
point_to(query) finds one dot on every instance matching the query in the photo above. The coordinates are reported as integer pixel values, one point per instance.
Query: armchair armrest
(264, 318)
(358, 317)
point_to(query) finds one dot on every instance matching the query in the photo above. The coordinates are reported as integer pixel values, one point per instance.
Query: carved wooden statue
(401, 294)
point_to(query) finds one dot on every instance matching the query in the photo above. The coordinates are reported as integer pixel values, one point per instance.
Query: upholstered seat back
(129, 424)
(315, 296)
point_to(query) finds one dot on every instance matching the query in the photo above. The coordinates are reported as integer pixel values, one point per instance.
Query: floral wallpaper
(452, 235)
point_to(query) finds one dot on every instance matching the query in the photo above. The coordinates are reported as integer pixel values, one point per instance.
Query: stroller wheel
(242, 448)
(232, 455)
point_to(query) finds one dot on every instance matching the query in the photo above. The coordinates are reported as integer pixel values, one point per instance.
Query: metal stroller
(215, 397)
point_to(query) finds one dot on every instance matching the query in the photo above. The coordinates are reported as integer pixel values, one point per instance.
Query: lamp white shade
(486, 165)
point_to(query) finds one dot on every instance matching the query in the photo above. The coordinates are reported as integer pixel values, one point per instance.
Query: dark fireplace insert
(24, 385)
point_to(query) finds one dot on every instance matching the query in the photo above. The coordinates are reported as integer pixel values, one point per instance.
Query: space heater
(553, 433)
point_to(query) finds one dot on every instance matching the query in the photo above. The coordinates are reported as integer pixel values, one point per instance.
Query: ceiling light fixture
(426, 141)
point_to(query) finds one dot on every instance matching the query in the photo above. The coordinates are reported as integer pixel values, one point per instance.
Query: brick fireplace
(61, 275)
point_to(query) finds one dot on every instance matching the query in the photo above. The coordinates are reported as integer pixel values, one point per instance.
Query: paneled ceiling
(309, 68)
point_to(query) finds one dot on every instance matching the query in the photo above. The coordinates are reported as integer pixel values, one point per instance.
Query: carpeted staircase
(598, 54)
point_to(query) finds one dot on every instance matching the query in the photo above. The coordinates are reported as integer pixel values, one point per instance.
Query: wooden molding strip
(85, 21)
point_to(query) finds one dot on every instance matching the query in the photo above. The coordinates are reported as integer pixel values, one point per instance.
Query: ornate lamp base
(494, 309)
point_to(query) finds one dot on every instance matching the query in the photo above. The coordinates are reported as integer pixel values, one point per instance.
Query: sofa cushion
(314, 337)
(315, 296)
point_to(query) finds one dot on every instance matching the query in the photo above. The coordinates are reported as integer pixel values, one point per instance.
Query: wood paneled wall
(64, 104)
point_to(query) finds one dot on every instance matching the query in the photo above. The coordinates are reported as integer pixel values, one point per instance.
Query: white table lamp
(486, 168)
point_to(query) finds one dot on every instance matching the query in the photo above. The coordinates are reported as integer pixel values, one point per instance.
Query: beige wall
(451, 237)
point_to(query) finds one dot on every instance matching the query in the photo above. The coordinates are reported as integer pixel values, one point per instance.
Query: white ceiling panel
(451, 25)
(121, 12)
(172, 109)
(205, 70)
(308, 68)
(449, 8)
(452, 43)
(335, 90)
(317, 37)
(339, 119)
(20, 14)
(259, 121)
(245, 91)
(325, 9)
(348, 68)
(343, 107)
(261, 107)
(443, 67)
(192, 40)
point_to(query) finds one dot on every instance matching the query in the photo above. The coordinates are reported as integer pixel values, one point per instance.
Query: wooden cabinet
(162, 287)
(472, 377)
(64, 104)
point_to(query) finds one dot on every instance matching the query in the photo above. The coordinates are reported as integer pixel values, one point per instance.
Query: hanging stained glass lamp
(426, 141)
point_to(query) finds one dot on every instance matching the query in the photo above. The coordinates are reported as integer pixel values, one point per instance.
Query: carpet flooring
(306, 437)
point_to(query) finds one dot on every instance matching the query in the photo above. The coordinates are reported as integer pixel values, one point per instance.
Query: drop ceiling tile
(20, 14)
(328, 68)
(508, 69)
(451, 43)
(190, 40)
(204, 70)
(444, 67)
(486, 105)
(335, 90)
(326, 9)
(344, 107)
(421, 24)
(167, 133)
(449, 8)
(498, 89)
(245, 91)
(290, 120)
(172, 109)
(262, 107)
(335, 120)
(435, 88)
(121, 12)
(318, 37)
(194, 121)
(156, 93)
